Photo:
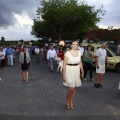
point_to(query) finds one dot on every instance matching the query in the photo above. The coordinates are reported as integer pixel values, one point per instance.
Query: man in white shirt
(101, 59)
(37, 52)
(51, 54)
(81, 49)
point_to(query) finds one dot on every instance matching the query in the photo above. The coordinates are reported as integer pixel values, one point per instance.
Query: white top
(101, 53)
(51, 54)
(2, 55)
(81, 50)
(4, 50)
(37, 50)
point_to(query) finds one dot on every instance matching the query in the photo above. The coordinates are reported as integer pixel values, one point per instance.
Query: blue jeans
(10, 59)
(51, 63)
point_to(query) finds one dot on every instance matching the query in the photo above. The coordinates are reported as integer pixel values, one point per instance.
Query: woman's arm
(64, 68)
(20, 58)
(29, 58)
(81, 68)
(85, 54)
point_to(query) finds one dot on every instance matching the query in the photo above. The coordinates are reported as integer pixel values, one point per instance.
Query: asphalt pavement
(43, 98)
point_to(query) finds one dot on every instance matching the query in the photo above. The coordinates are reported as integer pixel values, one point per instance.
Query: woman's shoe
(26, 81)
(72, 107)
(67, 107)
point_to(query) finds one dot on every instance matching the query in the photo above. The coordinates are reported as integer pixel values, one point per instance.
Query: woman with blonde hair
(71, 72)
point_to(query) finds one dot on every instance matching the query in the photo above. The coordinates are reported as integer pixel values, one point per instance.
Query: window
(85, 47)
(109, 54)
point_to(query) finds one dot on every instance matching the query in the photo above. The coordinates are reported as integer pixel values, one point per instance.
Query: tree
(21, 42)
(2, 39)
(65, 18)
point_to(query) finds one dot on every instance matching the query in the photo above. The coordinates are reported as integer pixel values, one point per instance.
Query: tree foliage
(104, 35)
(2, 39)
(65, 18)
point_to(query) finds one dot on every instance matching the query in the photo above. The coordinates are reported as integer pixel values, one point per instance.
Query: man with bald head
(100, 59)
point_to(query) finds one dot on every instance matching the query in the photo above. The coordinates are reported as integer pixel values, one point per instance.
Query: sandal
(72, 107)
(67, 107)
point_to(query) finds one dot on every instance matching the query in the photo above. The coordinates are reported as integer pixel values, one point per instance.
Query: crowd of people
(73, 63)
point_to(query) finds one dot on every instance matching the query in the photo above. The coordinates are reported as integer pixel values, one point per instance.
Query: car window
(109, 54)
(85, 47)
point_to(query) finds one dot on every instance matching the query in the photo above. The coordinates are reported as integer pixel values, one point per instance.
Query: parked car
(113, 58)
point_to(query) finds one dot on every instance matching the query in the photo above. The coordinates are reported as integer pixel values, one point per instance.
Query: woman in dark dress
(25, 62)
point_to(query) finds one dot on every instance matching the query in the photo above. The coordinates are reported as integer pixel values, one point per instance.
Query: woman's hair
(88, 46)
(74, 41)
(62, 48)
(24, 48)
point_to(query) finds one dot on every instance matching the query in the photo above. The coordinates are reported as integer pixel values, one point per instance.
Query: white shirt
(37, 50)
(51, 54)
(2, 53)
(101, 53)
(4, 50)
(81, 50)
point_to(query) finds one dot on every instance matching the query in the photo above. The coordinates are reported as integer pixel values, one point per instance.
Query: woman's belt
(73, 64)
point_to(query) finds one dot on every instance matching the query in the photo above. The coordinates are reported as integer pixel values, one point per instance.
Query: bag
(58, 59)
(119, 86)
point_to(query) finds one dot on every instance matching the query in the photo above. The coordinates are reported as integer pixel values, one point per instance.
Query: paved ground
(44, 96)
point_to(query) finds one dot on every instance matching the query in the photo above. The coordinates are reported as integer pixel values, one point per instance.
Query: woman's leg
(85, 70)
(91, 71)
(70, 97)
(73, 91)
(23, 74)
(58, 67)
(61, 66)
(26, 76)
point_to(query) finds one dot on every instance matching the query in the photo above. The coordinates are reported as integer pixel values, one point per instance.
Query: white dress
(72, 73)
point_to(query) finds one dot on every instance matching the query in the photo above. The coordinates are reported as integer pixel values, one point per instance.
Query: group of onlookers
(73, 63)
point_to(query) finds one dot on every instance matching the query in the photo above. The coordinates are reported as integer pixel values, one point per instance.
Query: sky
(16, 17)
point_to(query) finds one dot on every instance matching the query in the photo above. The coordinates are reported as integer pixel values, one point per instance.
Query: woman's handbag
(58, 59)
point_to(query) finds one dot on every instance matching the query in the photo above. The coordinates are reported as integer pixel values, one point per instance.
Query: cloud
(16, 16)
(6, 16)
(112, 16)
(8, 9)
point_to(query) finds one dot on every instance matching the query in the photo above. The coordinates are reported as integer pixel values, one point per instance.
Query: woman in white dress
(71, 72)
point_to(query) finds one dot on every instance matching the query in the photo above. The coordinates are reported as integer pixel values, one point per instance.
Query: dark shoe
(100, 85)
(96, 85)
